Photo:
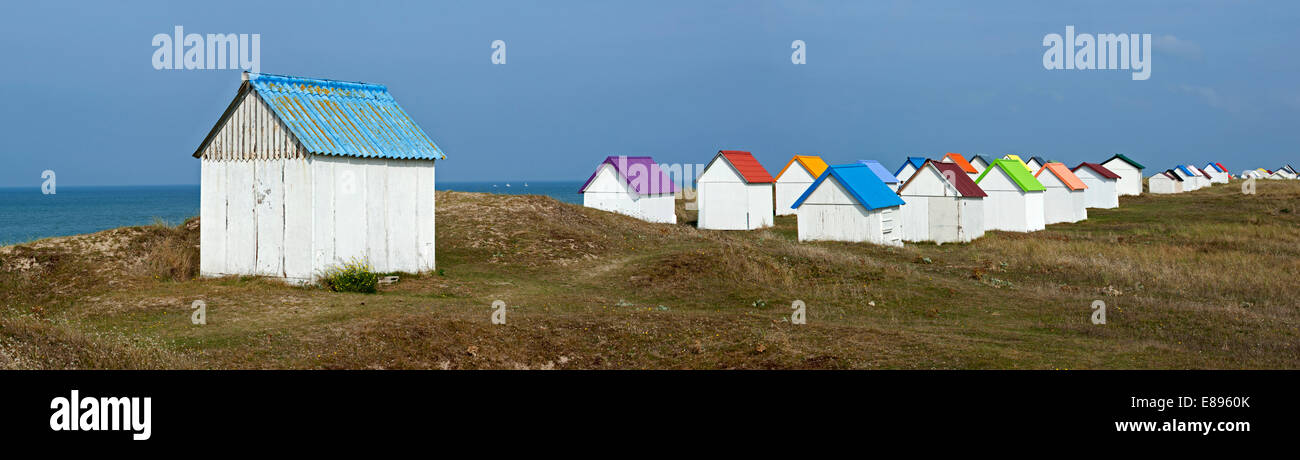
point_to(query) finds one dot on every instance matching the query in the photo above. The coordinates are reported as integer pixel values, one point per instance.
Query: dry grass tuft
(171, 253)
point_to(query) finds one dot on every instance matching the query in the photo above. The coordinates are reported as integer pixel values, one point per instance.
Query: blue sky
(675, 80)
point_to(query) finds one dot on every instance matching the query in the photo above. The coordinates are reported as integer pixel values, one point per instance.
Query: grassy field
(1206, 279)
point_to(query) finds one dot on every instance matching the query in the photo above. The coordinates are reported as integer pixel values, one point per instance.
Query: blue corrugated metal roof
(880, 171)
(861, 182)
(916, 162)
(1186, 171)
(345, 118)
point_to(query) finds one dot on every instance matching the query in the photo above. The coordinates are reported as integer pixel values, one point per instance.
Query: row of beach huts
(299, 175)
(951, 199)
(1185, 178)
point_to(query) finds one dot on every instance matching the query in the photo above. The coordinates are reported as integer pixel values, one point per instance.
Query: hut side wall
(378, 210)
(762, 212)
(1161, 185)
(1101, 191)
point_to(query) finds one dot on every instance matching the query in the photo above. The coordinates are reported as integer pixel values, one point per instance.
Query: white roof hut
(793, 181)
(1164, 183)
(302, 174)
(1015, 197)
(943, 205)
(632, 186)
(1130, 174)
(850, 203)
(1065, 199)
(1102, 192)
(735, 193)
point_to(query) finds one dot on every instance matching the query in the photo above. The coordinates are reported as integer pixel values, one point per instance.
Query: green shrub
(353, 276)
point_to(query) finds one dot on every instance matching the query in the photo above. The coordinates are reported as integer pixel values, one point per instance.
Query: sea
(26, 214)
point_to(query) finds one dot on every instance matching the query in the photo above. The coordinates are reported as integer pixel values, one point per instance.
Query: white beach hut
(1164, 183)
(1202, 178)
(1065, 199)
(632, 186)
(1207, 179)
(1218, 174)
(735, 193)
(910, 166)
(943, 205)
(1015, 197)
(1102, 192)
(979, 163)
(301, 174)
(1191, 180)
(1130, 174)
(794, 179)
(850, 203)
(1035, 163)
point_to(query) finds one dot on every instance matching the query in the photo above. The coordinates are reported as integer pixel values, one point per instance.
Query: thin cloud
(1175, 46)
(1211, 97)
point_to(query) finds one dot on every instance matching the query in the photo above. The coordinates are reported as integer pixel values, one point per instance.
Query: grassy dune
(1206, 279)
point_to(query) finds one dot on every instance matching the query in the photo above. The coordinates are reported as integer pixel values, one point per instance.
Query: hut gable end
(997, 179)
(928, 181)
(249, 130)
(607, 180)
(830, 192)
(715, 174)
